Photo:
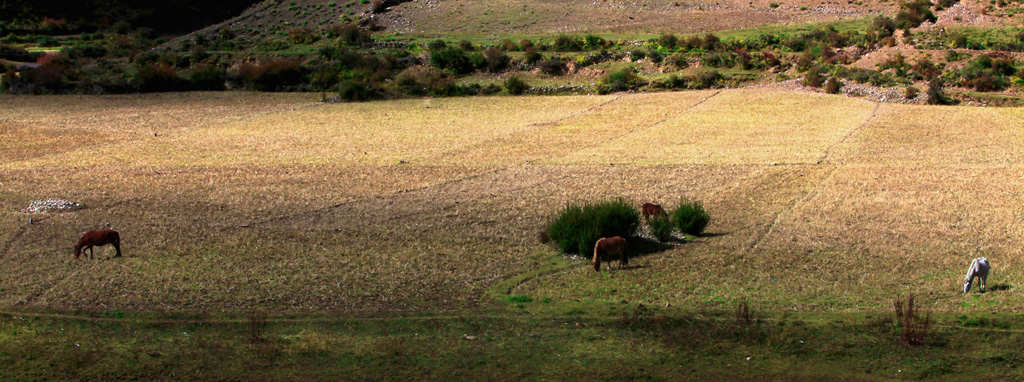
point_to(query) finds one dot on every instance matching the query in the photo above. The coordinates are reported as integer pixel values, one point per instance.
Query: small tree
(935, 94)
(833, 85)
(813, 78)
(496, 59)
(532, 55)
(668, 41)
(910, 92)
(515, 85)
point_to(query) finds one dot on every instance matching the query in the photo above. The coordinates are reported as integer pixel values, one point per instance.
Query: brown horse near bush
(98, 238)
(608, 246)
(651, 209)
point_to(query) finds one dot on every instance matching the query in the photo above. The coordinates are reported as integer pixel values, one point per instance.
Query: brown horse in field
(608, 246)
(651, 209)
(98, 238)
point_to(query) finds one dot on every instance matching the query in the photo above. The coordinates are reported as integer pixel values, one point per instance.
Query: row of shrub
(578, 226)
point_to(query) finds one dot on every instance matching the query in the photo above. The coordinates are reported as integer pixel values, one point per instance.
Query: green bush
(453, 59)
(679, 60)
(515, 85)
(276, 74)
(157, 78)
(617, 81)
(207, 77)
(577, 227)
(532, 55)
(705, 79)
(355, 91)
(437, 45)
(668, 41)
(661, 227)
(495, 60)
(565, 43)
(302, 35)
(348, 34)
(813, 78)
(913, 13)
(690, 217)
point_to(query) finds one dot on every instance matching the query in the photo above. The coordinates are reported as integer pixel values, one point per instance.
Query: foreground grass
(530, 341)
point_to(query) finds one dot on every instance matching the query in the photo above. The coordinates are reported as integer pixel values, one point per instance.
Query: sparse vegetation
(914, 329)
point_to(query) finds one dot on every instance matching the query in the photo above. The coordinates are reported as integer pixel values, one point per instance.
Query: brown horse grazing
(651, 209)
(607, 246)
(98, 238)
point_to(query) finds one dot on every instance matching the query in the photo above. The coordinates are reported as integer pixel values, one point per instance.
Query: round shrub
(577, 227)
(690, 217)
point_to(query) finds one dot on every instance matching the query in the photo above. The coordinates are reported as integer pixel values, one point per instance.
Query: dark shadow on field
(715, 234)
(999, 287)
(631, 266)
(639, 246)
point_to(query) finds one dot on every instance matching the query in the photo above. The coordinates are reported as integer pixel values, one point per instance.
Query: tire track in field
(815, 190)
(14, 238)
(639, 128)
(830, 150)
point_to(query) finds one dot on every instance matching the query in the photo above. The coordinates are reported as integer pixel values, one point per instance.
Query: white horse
(979, 268)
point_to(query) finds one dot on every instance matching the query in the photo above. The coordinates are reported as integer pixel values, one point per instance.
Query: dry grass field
(233, 202)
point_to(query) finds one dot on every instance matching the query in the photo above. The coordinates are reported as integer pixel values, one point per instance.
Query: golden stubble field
(232, 202)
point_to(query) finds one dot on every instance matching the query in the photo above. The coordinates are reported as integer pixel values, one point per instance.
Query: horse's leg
(981, 282)
(117, 246)
(89, 248)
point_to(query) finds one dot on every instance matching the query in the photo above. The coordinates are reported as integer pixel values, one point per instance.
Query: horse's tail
(115, 240)
(597, 258)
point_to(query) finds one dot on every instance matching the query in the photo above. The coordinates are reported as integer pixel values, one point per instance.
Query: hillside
(165, 16)
(448, 18)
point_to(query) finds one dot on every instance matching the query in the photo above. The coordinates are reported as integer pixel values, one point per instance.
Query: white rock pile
(53, 205)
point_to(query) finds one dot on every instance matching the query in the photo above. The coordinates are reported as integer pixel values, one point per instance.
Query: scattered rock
(470, 338)
(53, 205)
